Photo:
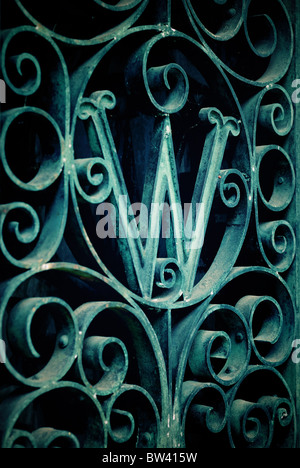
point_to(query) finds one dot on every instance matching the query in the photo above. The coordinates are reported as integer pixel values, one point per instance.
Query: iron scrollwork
(155, 335)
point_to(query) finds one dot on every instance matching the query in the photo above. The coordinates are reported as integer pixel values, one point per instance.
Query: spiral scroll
(140, 424)
(205, 410)
(59, 428)
(275, 177)
(231, 348)
(33, 150)
(263, 31)
(263, 421)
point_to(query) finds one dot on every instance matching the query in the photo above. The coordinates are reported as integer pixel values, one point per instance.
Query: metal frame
(128, 320)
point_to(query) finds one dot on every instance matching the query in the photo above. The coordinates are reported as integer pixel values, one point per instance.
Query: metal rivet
(239, 337)
(63, 341)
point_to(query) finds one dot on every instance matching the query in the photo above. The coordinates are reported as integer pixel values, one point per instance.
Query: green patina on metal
(131, 341)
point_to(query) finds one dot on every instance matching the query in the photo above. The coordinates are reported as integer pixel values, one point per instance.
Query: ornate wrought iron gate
(113, 333)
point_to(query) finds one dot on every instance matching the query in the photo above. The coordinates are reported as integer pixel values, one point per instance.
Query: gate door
(148, 209)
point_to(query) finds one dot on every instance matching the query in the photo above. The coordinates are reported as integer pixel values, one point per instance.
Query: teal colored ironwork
(114, 335)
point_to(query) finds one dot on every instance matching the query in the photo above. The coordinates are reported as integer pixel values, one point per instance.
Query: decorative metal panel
(147, 224)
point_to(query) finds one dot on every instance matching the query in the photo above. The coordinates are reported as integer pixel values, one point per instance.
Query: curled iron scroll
(94, 23)
(273, 120)
(263, 421)
(34, 150)
(228, 354)
(93, 348)
(252, 39)
(60, 427)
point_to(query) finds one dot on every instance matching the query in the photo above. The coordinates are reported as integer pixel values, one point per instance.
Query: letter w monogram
(143, 258)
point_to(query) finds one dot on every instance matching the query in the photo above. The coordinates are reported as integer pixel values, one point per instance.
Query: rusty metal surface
(130, 338)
